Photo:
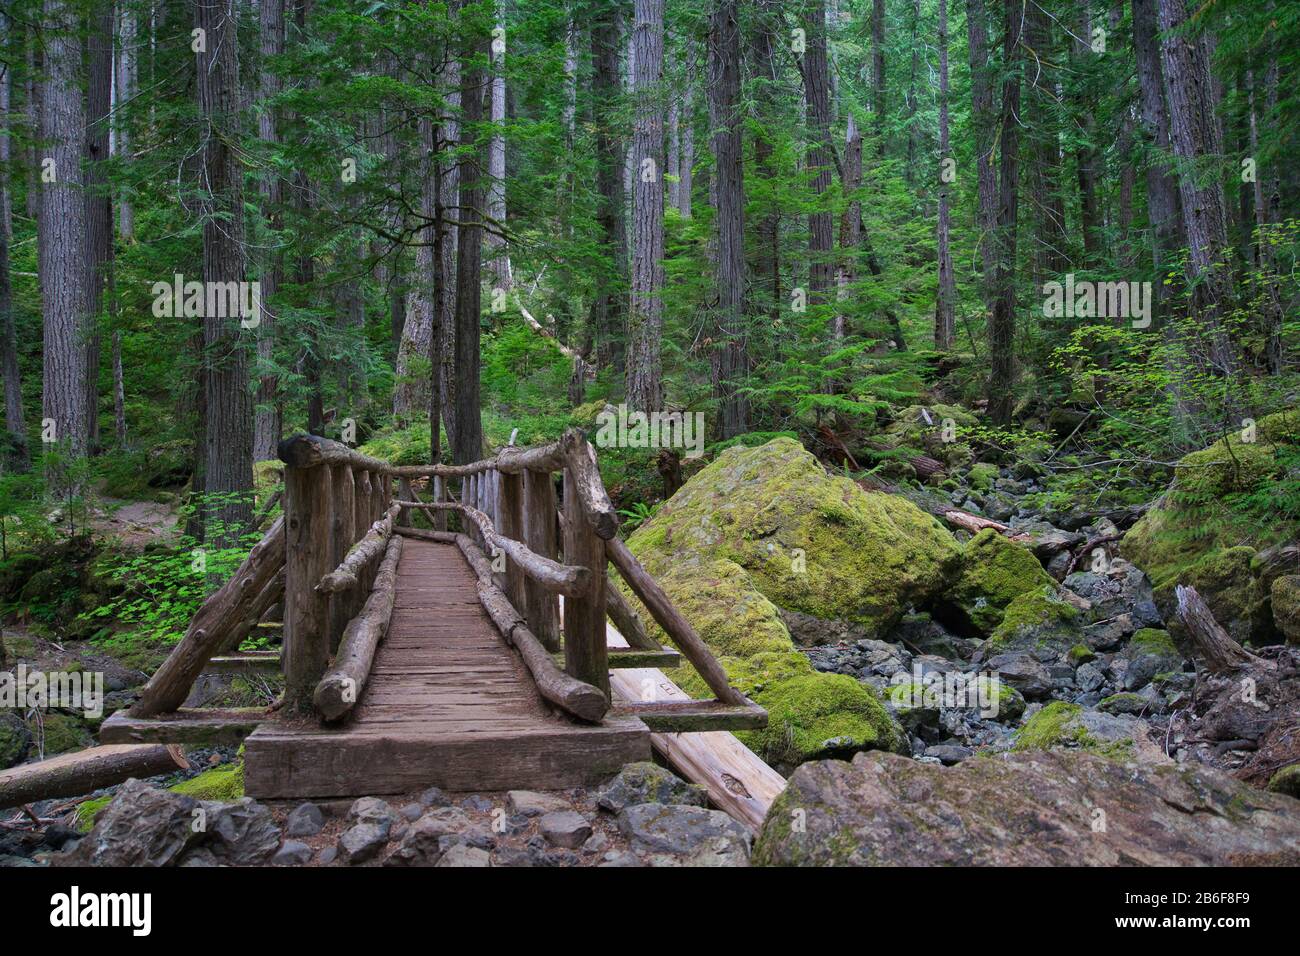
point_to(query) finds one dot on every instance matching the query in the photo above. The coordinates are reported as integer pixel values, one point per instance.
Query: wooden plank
(185, 726)
(691, 715)
(249, 663)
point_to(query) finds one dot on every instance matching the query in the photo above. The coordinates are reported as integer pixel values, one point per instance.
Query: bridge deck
(448, 704)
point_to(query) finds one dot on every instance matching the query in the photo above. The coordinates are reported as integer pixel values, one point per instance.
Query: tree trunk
(1002, 324)
(126, 84)
(645, 321)
(501, 277)
(1051, 253)
(1163, 211)
(119, 391)
(877, 69)
(1197, 140)
(268, 413)
(1087, 158)
(62, 233)
(606, 88)
(411, 391)
(687, 122)
(99, 204)
(228, 432)
(983, 121)
(767, 247)
(15, 453)
(448, 199)
(468, 441)
(944, 321)
(731, 353)
(821, 225)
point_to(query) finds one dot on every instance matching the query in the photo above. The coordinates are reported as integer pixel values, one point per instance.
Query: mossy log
(341, 687)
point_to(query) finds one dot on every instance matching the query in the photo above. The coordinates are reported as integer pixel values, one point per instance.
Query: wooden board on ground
(447, 704)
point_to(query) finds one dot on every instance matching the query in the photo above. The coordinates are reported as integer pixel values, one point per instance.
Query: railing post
(510, 523)
(307, 514)
(343, 535)
(542, 607)
(361, 519)
(585, 654)
(439, 495)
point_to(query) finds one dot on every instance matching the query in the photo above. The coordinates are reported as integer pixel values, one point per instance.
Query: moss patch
(224, 783)
(1058, 725)
(1286, 780)
(87, 812)
(982, 475)
(994, 572)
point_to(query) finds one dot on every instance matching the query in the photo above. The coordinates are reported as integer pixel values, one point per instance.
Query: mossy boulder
(1226, 580)
(60, 733)
(1037, 620)
(766, 528)
(1071, 726)
(224, 783)
(808, 541)
(1286, 606)
(1150, 652)
(994, 572)
(982, 475)
(15, 740)
(1194, 533)
(1286, 780)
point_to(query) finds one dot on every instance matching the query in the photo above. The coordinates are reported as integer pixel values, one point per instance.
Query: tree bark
(877, 70)
(126, 84)
(944, 321)
(62, 233)
(468, 441)
(1163, 210)
(644, 371)
(1003, 321)
(228, 432)
(268, 413)
(606, 88)
(15, 453)
(983, 119)
(1051, 253)
(731, 352)
(99, 204)
(820, 161)
(501, 277)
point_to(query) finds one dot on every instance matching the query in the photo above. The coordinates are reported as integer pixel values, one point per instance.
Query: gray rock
(477, 802)
(362, 842)
(808, 631)
(433, 797)
(411, 812)
(243, 833)
(949, 754)
(620, 858)
(678, 829)
(200, 856)
(422, 844)
(532, 803)
(1089, 677)
(1148, 657)
(595, 843)
(1121, 589)
(462, 855)
(565, 828)
(372, 810)
(328, 855)
(646, 782)
(304, 820)
(142, 826)
(1154, 815)
(1021, 671)
(292, 853)
(15, 740)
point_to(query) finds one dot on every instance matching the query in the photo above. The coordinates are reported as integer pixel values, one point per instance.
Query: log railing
(333, 556)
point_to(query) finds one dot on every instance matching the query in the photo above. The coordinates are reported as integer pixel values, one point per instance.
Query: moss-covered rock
(15, 740)
(1065, 725)
(1125, 702)
(83, 819)
(1226, 580)
(1194, 532)
(1286, 780)
(1286, 606)
(982, 475)
(224, 783)
(994, 572)
(1037, 620)
(762, 529)
(60, 733)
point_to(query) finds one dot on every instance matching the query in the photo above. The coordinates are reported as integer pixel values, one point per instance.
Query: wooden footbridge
(473, 659)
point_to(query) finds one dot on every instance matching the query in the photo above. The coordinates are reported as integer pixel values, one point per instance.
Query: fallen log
(211, 627)
(341, 687)
(571, 695)
(347, 576)
(73, 774)
(1211, 642)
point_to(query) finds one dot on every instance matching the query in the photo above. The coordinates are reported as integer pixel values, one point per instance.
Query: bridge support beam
(308, 519)
(585, 653)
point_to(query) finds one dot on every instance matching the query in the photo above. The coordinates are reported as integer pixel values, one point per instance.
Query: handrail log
(561, 578)
(347, 575)
(596, 506)
(310, 451)
(676, 626)
(564, 691)
(340, 688)
(210, 627)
